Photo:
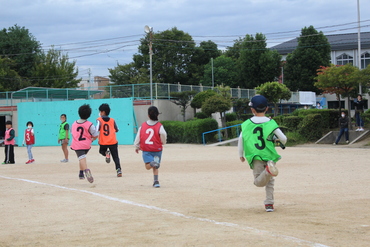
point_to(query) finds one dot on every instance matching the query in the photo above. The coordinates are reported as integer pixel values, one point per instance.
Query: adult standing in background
(359, 109)
(63, 137)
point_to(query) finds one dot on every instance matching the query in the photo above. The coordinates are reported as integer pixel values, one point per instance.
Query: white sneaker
(271, 168)
(357, 129)
(334, 143)
(361, 129)
(64, 161)
(347, 141)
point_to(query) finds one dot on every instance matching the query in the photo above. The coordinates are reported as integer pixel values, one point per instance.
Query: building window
(365, 60)
(344, 59)
(335, 104)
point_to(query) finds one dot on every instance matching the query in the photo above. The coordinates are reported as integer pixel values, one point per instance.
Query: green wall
(46, 118)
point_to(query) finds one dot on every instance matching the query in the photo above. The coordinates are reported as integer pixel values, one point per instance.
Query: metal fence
(140, 92)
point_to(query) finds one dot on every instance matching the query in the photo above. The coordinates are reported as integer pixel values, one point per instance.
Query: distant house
(344, 49)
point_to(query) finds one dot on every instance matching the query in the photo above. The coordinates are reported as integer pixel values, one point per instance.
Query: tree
(224, 72)
(128, 74)
(183, 100)
(53, 69)
(240, 106)
(274, 92)
(217, 103)
(256, 64)
(172, 54)
(18, 44)
(200, 97)
(338, 80)
(301, 66)
(9, 78)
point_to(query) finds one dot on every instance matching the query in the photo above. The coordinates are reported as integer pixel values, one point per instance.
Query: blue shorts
(149, 156)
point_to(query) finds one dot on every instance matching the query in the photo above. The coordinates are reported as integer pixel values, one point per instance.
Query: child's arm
(94, 133)
(116, 127)
(163, 135)
(137, 141)
(241, 148)
(280, 135)
(12, 135)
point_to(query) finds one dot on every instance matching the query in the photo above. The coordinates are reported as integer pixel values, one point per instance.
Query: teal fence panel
(46, 118)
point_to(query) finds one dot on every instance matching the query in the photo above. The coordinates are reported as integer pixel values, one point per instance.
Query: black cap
(258, 102)
(8, 122)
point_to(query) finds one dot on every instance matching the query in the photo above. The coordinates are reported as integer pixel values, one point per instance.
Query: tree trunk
(223, 124)
(276, 109)
(349, 113)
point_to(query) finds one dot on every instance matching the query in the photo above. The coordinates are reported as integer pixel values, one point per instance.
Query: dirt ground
(207, 198)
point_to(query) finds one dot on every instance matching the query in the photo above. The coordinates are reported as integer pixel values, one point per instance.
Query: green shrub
(291, 122)
(189, 131)
(234, 131)
(231, 117)
(294, 138)
(279, 119)
(311, 127)
(200, 115)
(329, 116)
(246, 116)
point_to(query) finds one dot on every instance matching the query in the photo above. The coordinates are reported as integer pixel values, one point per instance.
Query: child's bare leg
(65, 150)
(148, 166)
(83, 164)
(155, 171)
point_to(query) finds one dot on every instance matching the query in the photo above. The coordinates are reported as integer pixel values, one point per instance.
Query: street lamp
(149, 30)
(359, 42)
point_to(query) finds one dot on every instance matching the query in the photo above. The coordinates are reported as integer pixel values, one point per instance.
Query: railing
(219, 132)
(141, 91)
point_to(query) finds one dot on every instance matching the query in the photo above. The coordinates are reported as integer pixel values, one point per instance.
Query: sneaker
(81, 176)
(107, 157)
(156, 184)
(334, 143)
(89, 176)
(271, 168)
(361, 129)
(4, 163)
(119, 172)
(347, 141)
(155, 163)
(33, 160)
(269, 207)
(28, 162)
(357, 129)
(64, 160)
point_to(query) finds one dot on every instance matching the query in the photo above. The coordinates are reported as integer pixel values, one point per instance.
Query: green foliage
(274, 92)
(182, 99)
(292, 122)
(330, 117)
(224, 72)
(54, 69)
(19, 45)
(128, 74)
(190, 131)
(256, 63)
(231, 117)
(200, 115)
(9, 78)
(246, 116)
(234, 131)
(216, 103)
(199, 98)
(301, 66)
(240, 106)
(294, 138)
(312, 127)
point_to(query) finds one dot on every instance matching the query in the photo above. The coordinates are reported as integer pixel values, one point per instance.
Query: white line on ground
(247, 228)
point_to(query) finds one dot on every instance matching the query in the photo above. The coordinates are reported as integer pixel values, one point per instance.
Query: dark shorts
(81, 153)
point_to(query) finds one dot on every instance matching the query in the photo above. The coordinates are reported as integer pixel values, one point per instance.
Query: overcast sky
(116, 26)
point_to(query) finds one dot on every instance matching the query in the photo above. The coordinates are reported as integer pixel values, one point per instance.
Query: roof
(53, 93)
(337, 42)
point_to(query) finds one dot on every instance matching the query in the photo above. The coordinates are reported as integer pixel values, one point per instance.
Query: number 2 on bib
(150, 132)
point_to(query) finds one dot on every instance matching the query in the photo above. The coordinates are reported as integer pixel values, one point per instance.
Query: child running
(29, 140)
(83, 134)
(150, 139)
(107, 128)
(257, 146)
(9, 143)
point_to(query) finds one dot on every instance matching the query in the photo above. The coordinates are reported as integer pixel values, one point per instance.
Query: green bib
(62, 131)
(257, 141)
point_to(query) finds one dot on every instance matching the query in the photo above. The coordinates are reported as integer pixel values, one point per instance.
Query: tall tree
(183, 100)
(54, 69)
(128, 74)
(9, 78)
(172, 54)
(224, 72)
(200, 97)
(301, 66)
(274, 92)
(18, 44)
(257, 64)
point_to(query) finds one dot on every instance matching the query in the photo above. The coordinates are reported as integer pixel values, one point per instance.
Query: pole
(213, 79)
(151, 69)
(359, 42)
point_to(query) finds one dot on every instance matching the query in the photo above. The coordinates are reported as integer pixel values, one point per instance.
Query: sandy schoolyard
(207, 198)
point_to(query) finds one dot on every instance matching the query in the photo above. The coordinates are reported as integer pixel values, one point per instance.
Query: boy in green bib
(64, 136)
(257, 146)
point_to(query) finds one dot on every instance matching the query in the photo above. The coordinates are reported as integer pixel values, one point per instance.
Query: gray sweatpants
(263, 179)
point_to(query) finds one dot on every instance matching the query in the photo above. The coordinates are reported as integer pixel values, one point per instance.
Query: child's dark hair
(29, 123)
(105, 108)
(84, 111)
(64, 115)
(153, 113)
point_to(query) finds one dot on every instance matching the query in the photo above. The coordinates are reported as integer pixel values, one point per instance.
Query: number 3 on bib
(150, 132)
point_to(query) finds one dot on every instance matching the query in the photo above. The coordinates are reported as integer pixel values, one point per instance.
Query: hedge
(189, 131)
(312, 127)
(235, 131)
(291, 122)
(330, 117)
